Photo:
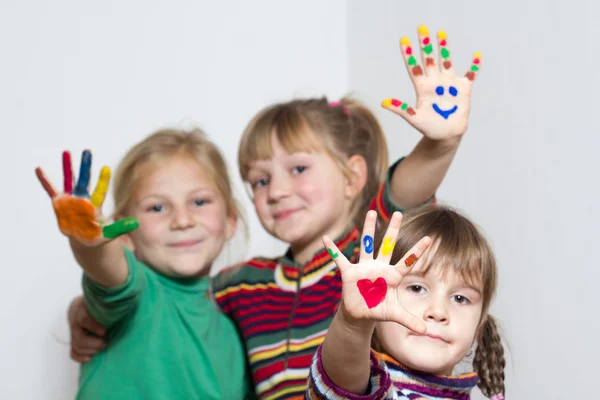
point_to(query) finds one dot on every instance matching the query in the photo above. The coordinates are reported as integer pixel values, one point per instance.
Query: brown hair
(341, 130)
(461, 248)
(166, 143)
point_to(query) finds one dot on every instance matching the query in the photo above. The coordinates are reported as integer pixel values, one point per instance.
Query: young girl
(313, 168)
(166, 338)
(423, 303)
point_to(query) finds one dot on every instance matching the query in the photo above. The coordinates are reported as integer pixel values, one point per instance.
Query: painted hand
(369, 287)
(443, 99)
(78, 213)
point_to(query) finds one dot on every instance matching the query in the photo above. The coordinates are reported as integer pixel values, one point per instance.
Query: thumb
(120, 227)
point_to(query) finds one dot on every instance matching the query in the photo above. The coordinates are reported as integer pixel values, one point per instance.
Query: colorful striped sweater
(283, 309)
(391, 380)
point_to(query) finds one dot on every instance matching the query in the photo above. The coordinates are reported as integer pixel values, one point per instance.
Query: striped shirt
(283, 309)
(391, 380)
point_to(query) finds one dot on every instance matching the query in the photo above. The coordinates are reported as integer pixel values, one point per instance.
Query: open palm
(78, 213)
(369, 287)
(443, 98)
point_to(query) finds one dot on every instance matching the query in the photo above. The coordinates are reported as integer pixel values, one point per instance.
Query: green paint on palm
(428, 49)
(412, 61)
(474, 68)
(120, 227)
(332, 254)
(404, 106)
(445, 53)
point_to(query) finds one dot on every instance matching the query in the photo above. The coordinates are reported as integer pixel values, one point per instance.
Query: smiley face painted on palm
(441, 91)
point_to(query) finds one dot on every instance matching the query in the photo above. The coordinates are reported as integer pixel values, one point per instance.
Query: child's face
(450, 308)
(300, 196)
(183, 225)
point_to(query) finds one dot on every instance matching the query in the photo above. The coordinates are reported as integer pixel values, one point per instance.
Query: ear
(358, 176)
(230, 227)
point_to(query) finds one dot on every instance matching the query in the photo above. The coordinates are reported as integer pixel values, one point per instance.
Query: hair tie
(498, 396)
(333, 104)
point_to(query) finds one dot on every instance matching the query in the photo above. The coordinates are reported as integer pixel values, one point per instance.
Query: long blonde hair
(167, 143)
(463, 249)
(340, 129)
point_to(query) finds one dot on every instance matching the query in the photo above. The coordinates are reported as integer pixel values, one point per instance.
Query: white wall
(102, 75)
(527, 168)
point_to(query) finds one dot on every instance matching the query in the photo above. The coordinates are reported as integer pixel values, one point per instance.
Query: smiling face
(447, 110)
(183, 220)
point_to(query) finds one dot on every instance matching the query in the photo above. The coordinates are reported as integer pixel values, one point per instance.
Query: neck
(303, 251)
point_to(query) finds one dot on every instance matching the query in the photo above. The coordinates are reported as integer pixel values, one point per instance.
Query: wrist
(442, 147)
(358, 326)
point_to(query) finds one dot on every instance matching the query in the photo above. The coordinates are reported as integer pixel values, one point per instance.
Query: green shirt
(165, 341)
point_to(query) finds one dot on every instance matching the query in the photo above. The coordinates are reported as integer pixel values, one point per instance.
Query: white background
(102, 75)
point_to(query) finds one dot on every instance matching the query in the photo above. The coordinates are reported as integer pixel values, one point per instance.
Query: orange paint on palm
(77, 217)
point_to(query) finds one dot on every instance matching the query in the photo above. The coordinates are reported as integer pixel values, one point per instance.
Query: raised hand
(369, 287)
(79, 215)
(443, 99)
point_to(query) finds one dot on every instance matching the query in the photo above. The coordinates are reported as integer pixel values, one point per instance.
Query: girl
(422, 306)
(166, 338)
(313, 167)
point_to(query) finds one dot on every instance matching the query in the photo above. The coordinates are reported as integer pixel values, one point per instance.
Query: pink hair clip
(339, 104)
(498, 396)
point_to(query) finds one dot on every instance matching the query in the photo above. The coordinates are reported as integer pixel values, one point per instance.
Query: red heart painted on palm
(372, 292)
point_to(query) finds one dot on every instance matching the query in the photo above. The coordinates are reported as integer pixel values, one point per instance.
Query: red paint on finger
(396, 103)
(417, 71)
(67, 172)
(47, 186)
(429, 62)
(410, 111)
(373, 292)
(447, 64)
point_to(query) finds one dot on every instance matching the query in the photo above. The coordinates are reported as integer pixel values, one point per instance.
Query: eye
(439, 90)
(461, 299)
(155, 208)
(200, 202)
(452, 90)
(260, 183)
(299, 169)
(416, 289)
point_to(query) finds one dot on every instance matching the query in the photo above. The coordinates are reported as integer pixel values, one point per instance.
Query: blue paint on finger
(81, 190)
(368, 244)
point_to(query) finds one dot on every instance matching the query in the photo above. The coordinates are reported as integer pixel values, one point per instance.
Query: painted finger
(412, 256)
(338, 257)
(475, 65)
(368, 233)
(445, 59)
(45, 183)
(81, 189)
(120, 227)
(427, 50)
(67, 172)
(412, 65)
(408, 320)
(99, 194)
(400, 108)
(389, 240)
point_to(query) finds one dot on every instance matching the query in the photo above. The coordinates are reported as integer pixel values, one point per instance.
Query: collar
(451, 386)
(288, 272)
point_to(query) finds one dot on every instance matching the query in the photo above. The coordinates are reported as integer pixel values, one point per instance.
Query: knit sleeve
(321, 387)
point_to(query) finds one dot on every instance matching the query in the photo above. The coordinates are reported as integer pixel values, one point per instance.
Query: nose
(280, 186)
(436, 310)
(182, 218)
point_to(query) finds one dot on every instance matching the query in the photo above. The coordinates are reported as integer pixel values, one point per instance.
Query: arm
(368, 295)
(418, 176)
(441, 115)
(79, 219)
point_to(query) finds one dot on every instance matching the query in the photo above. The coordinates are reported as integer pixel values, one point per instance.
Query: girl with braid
(411, 314)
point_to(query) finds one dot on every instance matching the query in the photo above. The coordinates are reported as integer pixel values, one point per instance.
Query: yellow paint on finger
(423, 30)
(386, 103)
(97, 198)
(442, 35)
(387, 246)
(404, 41)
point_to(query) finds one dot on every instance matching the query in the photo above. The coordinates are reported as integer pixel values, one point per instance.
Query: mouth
(444, 113)
(184, 244)
(284, 214)
(434, 337)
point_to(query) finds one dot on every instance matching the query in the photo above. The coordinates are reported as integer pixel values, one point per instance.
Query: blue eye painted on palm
(440, 92)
